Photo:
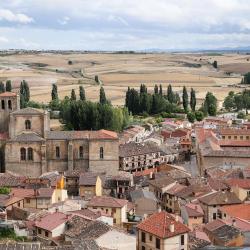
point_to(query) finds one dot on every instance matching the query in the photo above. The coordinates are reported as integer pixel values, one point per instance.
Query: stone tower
(9, 102)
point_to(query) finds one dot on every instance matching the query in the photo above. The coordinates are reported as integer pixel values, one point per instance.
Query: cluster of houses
(176, 185)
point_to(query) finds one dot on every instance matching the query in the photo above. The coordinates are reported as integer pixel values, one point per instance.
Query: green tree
(161, 91)
(241, 115)
(8, 86)
(143, 89)
(156, 90)
(82, 93)
(24, 94)
(185, 99)
(2, 87)
(145, 103)
(4, 190)
(170, 94)
(191, 117)
(246, 79)
(215, 64)
(54, 94)
(192, 99)
(199, 115)
(229, 102)
(73, 95)
(210, 104)
(102, 99)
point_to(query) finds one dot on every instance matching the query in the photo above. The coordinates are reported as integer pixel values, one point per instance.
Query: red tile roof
(22, 192)
(230, 131)
(242, 183)
(234, 143)
(241, 211)
(51, 221)
(7, 94)
(159, 224)
(211, 226)
(106, 201)
(194, 210)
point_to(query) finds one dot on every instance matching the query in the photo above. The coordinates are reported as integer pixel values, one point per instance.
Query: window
(223, 137)
(81, 152)
(30, 154)
(46, 233)
(9, 104)
(3, 104)
(235, 137)
(247, 137)
(57, 152)
(23, 154)
(114, 221)
(157, 243)
(27, 124)
(143, 248)
(229, 137)
(214, 216)
(241, 137)
(150, 237)
(101, 152)
(182, 239)
(143, 236)
(39, 231)
(27, 200)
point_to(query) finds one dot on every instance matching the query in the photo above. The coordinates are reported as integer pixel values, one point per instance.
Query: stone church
(29, 147)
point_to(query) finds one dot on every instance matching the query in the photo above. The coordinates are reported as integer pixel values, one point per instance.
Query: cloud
(3, 39)
(64, 20)
(9, 16)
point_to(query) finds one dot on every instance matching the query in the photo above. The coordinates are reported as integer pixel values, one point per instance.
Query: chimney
(176, 218)
(171, 227)
(145, 216)
(234, 223)
(159, 209)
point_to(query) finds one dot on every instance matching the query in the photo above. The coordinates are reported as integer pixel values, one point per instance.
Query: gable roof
(28, 111)
(28, 137)
(107, 201)
(242, 183)
(88, 178)
(74, 135)
(194, 210)
(241, 211)
(159, 224)
(51, 221)
(162, 182)
(220, 198)
(7, 94)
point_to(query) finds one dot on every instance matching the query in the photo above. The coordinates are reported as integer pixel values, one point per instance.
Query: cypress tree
(192, 99)
(2, 87)
(54, 94)
(26, 90)
(170, 94)
(82, 93)
(8, 86)
(161, 92)
(185, 99)
(103, 99)
(73, 95)
(156, 90)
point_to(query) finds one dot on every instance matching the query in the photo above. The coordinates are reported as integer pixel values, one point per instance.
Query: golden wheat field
(118, 71)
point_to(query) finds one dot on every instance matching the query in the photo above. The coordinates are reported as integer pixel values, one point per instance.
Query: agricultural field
(118, 71)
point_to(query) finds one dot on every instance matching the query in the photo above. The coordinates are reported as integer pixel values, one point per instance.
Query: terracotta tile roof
(175, 189)
(220, 198)
(243, 225)
(134, 149)
(194, 210)
(88, 213)
(158, 224)
(7, 94)
(217, 184)
(194, 190)
(28, 111)
(234, 143)
(74, 135)
(242, 183)
(162, 182)
(28, 137)
(234, 131)
(9, 180)
(51, 221)
(22, 192)
(106, 201)
(241, 211)
(44, 192)
(145, 172)
(211, 226)
(89, 178)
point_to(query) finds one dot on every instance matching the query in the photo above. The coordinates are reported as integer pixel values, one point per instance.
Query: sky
(124, 24)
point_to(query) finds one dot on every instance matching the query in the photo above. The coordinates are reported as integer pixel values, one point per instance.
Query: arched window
(30, 154)
(27, 124)
(81, 152)
(23, 154)
(3, 104)
(57, 152)
(9, 104)
(101, 153)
